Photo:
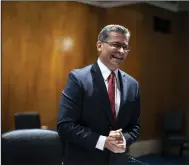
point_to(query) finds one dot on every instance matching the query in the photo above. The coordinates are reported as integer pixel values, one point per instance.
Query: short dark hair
(104, 33)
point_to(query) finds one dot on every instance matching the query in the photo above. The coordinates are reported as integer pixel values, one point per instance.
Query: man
(99, 111)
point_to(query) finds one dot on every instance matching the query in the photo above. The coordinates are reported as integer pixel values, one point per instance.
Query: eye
(125, 47)
(116, 45)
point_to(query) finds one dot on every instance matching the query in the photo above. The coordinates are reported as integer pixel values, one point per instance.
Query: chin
(114, 67)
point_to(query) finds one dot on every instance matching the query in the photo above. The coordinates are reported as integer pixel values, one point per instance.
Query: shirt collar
(105, 70)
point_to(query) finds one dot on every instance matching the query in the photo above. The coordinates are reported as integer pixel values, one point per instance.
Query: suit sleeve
(70, 109)
(132, 132)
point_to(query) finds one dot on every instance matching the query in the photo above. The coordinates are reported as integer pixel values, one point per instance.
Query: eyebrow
(118, 42)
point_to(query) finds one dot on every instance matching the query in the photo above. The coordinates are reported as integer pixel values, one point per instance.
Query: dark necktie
(111, 92)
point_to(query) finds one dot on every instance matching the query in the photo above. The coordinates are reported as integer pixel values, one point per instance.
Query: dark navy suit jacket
(85, 114)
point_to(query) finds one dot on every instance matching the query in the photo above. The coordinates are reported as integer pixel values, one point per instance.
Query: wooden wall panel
(34, 64)
(157, 58)
(128, 17)
(163, 70)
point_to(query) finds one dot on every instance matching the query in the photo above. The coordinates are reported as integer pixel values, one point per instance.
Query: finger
(115, 142)
(113, 148)
(119, 130)
(117, 137)
(112, 132)
(120, 145)
(115, 134)
(120, 141)
(110, 138)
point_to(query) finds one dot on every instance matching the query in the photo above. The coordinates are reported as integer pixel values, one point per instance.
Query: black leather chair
(174, 131)
(31, 146)
(27, 120)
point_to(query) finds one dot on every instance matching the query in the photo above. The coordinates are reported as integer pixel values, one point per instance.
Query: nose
(121, 50)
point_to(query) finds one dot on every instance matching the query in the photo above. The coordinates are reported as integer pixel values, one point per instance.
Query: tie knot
(111, 76)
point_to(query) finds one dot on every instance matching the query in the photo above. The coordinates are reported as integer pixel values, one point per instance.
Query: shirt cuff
(101, 142)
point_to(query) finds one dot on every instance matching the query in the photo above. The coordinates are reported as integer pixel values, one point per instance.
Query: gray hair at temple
(104, 34)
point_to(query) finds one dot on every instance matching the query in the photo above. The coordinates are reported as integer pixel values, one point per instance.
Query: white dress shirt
(105, 73)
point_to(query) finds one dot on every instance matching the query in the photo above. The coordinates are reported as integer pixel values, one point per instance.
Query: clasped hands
(115, 142)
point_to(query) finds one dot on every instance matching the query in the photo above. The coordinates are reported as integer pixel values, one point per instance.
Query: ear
(99, 46)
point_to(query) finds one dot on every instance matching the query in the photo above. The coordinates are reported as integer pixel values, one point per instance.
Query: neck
(108, 65)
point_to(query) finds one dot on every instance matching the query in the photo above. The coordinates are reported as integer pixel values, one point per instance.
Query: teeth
(121, 58)
(118, 58)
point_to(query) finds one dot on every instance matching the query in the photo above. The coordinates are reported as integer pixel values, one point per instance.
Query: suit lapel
(100, 88)
(123, 89)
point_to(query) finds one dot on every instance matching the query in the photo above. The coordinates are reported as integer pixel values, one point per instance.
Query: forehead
(117, 37)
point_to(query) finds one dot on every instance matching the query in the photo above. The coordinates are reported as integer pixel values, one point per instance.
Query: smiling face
(114, 50)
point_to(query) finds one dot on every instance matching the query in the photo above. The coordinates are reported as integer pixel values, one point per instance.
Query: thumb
(119, 130)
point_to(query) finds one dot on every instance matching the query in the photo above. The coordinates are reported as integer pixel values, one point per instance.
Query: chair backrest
(31, 146)
(27, 120)
(174, 121)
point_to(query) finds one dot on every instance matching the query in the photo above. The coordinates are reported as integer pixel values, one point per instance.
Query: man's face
(114, 50)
